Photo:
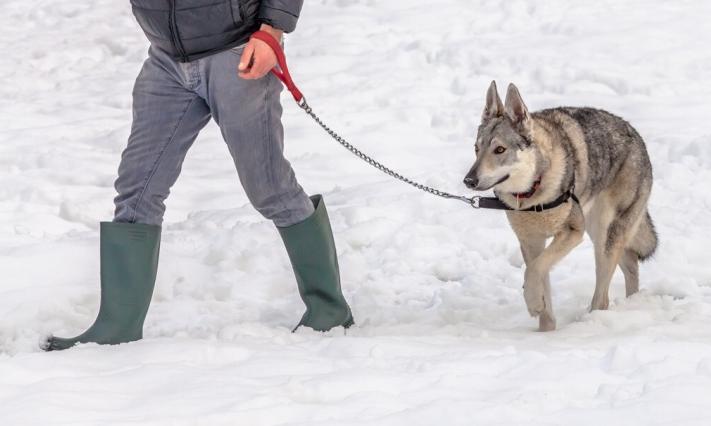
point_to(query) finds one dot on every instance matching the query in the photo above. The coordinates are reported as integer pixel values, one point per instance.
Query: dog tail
(645, 240)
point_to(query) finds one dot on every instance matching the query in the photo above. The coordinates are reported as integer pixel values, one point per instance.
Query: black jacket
(192, 29)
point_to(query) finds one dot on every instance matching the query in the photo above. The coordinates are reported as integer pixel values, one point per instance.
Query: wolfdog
(598, 159)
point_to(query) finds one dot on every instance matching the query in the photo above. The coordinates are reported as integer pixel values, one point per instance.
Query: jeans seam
(154, 168)
(270, 147)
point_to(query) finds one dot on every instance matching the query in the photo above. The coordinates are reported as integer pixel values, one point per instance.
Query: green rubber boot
(129, 261)
(313, 256)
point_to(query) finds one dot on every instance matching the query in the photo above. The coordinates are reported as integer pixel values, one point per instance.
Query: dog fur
(600, 157)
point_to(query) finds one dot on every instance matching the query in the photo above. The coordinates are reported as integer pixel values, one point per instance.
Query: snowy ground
(443, 336)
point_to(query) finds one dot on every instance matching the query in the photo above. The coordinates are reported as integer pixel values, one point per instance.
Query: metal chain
(472, 201)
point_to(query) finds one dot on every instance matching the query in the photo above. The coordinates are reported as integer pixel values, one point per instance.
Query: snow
(443, 335)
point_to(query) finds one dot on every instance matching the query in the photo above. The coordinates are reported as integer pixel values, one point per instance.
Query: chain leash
(283, 74)
(472, 201)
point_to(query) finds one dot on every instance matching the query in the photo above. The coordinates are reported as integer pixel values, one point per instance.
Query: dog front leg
(536, 287)
(531, 249)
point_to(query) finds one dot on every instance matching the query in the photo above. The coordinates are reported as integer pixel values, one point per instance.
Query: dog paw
(600, 303)
(546, 322)
(533, 294)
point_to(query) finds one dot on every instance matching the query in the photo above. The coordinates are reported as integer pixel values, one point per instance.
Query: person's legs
(249, 115)
(167, 116)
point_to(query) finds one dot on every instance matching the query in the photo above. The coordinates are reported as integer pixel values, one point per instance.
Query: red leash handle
(283, 71)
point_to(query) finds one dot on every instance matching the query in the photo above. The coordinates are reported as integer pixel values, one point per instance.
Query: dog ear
(494, 107)
(515, 109)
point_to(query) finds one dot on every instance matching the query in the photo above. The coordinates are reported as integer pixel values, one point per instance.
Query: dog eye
(476, 149)
(499, 150)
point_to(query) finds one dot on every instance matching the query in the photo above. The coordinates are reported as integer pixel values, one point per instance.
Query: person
(202, 64)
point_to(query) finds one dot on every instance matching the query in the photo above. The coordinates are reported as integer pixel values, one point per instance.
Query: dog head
(506, 156)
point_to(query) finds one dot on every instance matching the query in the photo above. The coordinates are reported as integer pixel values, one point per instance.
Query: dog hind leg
(639, 249)
(630, 267)
(614, 235)
(606, 261)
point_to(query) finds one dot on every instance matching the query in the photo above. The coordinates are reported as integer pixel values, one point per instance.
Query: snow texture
(443, 335)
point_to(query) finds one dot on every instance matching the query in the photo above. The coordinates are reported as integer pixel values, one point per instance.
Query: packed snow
(443, 334)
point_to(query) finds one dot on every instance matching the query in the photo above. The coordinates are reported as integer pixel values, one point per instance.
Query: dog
(533, 158)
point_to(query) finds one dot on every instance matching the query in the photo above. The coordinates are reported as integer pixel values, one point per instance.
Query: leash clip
(472, 201)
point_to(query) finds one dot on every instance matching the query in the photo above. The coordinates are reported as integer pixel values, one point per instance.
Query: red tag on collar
(529, 194)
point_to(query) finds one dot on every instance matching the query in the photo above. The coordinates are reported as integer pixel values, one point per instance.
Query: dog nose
(470, 182)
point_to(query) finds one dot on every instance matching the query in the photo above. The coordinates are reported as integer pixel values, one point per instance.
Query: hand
(258, 58)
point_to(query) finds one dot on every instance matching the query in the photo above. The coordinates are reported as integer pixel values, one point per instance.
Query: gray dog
(532, 159)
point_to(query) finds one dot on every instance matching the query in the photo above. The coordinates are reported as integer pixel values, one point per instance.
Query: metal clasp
(303, 105)
(474, 202)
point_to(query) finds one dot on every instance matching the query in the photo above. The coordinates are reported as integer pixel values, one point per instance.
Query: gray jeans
(172, 102)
